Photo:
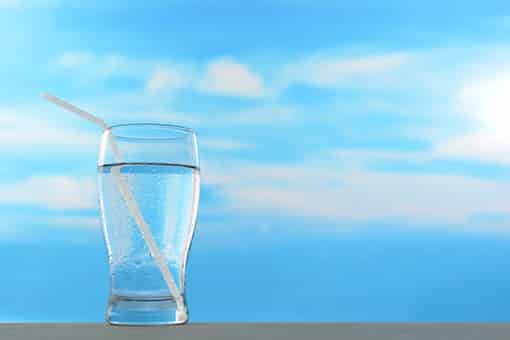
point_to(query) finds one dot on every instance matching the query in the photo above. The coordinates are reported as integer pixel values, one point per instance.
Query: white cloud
(265, 114)
(74, 59)
(18, 225)
(223, 144)
(54, 192)
(10, 3)
(21, 132)
(333, 71)
(485, 104)
(228, 77)
(25, 3)
(164, 79)
(89, 65)
(92, 223)
(112, 63)
(484, 145)
(329, 190)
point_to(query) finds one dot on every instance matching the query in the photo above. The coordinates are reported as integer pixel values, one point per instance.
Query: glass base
(146, 312)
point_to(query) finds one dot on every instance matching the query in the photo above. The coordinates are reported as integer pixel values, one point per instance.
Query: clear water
(167, 196)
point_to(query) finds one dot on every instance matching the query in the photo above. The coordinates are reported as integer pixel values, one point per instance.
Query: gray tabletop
(342, 331)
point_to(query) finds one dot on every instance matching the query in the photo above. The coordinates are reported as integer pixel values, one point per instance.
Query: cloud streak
(74, 59)
(52, 192)
(222, 144)
(340, 71)
(330, 190)
(25, 3)
(22, 131)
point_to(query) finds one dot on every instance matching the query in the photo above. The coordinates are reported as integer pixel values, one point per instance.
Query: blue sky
(354, 155)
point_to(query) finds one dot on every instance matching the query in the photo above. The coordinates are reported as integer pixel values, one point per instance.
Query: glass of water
(149, 185)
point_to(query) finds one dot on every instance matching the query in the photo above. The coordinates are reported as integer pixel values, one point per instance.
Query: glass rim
(179, 129)
(166, 125)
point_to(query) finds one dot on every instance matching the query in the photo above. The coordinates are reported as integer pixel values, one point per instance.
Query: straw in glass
(128, 197)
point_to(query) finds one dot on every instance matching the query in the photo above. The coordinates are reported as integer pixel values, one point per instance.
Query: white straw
(69, 107)
(129, 198)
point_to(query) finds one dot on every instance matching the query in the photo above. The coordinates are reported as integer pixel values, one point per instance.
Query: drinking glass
(149, 185)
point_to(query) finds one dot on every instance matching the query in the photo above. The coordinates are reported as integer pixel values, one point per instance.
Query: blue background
(354, 154)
